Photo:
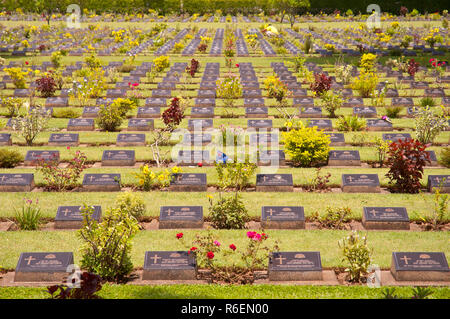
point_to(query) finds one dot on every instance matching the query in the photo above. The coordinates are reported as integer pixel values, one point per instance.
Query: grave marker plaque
(366, 111)
(259, 124)
(130, 139)
(69, 217)
(5, 139)
(200, 124)
(193, 157)
(80, 125)
(16, 182)
(321, 124)
(378, 125)
(295, 266)
(140, 125)
(256, 112)
(344, 158)
(360, 183)
(33, 157)
(43, 266)
(63, 139)
(337, 139)
(390, 218)
(90, 111)
(271, 158)
(169, 265)
(172, 217)
(148, 112)
(282, 217)
(101, 182)
(395, 137)
(274, 183)
(57, 102)
(306, 112)
(118, 158)
(441, 182)
(420, 266)
(202, 112)
(197, 139)
(188, 182)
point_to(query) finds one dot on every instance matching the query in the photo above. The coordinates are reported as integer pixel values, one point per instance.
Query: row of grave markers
(196, 182)
(282, 266)
(272, 217)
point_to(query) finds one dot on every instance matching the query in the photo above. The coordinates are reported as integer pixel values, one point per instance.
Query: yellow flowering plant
(149, 179)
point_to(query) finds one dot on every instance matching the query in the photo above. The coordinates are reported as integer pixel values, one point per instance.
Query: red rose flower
(232, 247)
(210, 255)
(192, 249)
(179, 235)
(199, 164)
(237, 65)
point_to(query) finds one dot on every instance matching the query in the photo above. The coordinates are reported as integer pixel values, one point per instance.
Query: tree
(49, 7)
(291, 8)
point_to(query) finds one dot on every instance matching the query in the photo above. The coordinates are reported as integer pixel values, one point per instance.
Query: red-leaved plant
(62, 178)
(90, 284)
(406, 161)
(321, 84)
(413, 67)
(46, 85)
(173, 115)
(193, 68)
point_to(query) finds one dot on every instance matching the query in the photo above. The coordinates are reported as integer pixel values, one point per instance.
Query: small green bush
(12, 105)
(350, 123)
(393, 111)
(106, 247)
(66, 114)
(427, 101)
(9, 159)
(357, 254)
(334, 218)
(131, 203)
(306, 145)
(445, 156)
(228, 212)
(29, 217)
(109, 117)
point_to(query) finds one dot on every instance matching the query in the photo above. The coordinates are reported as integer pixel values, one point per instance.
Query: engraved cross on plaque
(29, 259)
(169, 211)
(271, 211)
(66, 211)
(3, 178)
(155, 259)
(280, 258)
(405, 259)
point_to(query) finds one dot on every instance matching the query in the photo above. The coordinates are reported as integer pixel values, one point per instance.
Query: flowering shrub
(343, 73)
(110, 117)
(406, 161)
(228, 212)
(62, 178)
(433, 37)
(161, 63)
(232, 135)
(365, 84)
(321, 83)
(429, 123)
(46, 85)
(357, 254)
(29, 217)
(229, 89)
(178, 47)
(276, 89)
(306, 145)
(202, 47)
(31, 124)
(131, 203)
(56, 58)
(17, 76)
(134, 95)
(438, 66)
(149, 179)
(254, 256)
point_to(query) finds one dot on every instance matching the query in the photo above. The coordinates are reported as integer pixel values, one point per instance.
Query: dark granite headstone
(90, 111)
(118, 158)
(130, 140)
(337, 139)
(43, 266)
(63, 139)
(101, 182)
(169, 265)
(295, 266)
(360, 183)
(303, 102)
(80, 125)
(420, 266)
(57, 102)
(200, 124)
(282, 217)
(366, 111)
(188, 182)
(193, 157)
(148, 112)
(5, 139)
(391, 218)
(171, 217)
(259, 124)
(274, 183)
(395, 137)
(197, 139)
(271, 158)
(344, 158)
(308, 112)
(16, 182)
(256, 112)
(140, 124)
(402, 101)
(202, 112)
(34, 156)
(321, 124)
(69, 217)
(441, 182)
(378, 125)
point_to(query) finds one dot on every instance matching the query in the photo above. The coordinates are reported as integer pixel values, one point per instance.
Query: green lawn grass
(383, 244)
(187, 292)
